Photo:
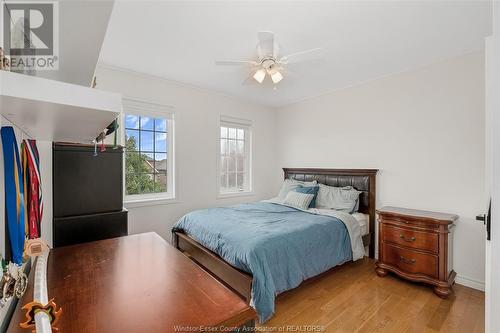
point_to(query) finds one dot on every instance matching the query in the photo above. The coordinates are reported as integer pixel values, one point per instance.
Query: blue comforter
(279, 245)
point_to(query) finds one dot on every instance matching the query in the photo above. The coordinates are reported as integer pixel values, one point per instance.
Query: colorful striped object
(32, 188)
(14, 194)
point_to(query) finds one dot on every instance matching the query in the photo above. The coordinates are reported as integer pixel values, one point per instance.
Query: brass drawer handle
(407, 261)
(412, 239)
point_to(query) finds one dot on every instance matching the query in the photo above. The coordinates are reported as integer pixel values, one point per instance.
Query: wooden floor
(354, 299)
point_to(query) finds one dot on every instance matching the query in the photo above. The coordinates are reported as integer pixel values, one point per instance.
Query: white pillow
(338, 198)
(298, 200)
(292, 184)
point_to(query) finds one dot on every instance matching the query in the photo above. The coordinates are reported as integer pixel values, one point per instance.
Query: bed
(266, 254)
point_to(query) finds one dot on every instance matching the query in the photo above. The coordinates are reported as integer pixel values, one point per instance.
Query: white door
(492, 73)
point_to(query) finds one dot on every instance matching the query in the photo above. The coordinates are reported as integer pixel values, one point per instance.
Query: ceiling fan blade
(235, 62)
(266, 46)
(305, 55)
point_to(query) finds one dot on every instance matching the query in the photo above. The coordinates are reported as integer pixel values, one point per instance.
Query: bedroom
(373, 104)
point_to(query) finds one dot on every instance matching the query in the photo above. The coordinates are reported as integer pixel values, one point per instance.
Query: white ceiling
(361, 40)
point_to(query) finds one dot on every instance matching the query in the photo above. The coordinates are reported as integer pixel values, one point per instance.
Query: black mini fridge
(87, 194)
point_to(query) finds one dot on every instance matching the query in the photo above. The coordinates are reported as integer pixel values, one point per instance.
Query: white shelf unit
(56, 111)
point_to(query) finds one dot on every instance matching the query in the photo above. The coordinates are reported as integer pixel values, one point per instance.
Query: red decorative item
(103, 147)
(32, 188)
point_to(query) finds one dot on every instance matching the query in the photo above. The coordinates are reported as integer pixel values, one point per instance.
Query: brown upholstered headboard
(363, 180)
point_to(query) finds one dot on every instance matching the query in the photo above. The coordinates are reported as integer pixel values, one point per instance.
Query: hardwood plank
(355, 299)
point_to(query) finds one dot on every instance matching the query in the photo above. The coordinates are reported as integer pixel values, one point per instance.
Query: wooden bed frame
(363, 180)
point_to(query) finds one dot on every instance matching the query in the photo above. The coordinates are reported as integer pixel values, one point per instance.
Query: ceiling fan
(269, 63)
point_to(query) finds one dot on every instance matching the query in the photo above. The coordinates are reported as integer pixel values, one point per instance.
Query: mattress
(363, 220)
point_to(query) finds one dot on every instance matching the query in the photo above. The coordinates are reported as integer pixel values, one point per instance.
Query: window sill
(235, 195)
(144, 202)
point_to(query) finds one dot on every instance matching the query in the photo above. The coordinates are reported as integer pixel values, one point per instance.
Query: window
(148, 151)
(234, 156)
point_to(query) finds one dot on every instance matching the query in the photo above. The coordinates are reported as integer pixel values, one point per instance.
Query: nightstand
(417, 246)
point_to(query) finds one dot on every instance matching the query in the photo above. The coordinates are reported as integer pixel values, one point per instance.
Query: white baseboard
(469, 282)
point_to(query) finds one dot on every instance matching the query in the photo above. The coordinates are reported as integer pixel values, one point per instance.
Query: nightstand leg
(442, 292)
(381, 272)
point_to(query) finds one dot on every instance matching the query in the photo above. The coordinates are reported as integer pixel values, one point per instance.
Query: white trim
(372, 79)
(281, 105)
(147, 197)
(236, 121)
(235, 194)
(140, 107)
(146, 202)
(144, 108)
(128, 71)
(172, 176)
(470, 282)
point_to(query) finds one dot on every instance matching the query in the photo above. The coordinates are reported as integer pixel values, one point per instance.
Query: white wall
(424, 130)
(196, 115)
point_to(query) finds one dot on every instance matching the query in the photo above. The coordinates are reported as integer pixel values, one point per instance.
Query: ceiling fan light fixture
(269, 61)
(276, 77)
(259, 75)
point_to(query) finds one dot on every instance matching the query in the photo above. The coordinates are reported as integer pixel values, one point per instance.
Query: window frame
(154, 110)
(247, 126)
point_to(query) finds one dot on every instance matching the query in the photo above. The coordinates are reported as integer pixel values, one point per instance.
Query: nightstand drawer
(410, 261)
(411, 238)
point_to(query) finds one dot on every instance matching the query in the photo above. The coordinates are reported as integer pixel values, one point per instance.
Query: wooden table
(137, 283)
